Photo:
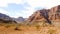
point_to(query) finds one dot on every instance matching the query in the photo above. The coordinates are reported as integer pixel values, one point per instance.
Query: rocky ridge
(48, 15)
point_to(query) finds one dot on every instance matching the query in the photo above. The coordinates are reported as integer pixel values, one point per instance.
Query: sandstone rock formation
(47, 15)
(54, 14)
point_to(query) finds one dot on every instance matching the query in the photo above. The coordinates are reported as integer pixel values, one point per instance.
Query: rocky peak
(48, 15)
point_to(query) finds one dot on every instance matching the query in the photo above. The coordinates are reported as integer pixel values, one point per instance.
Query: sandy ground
(30, 29)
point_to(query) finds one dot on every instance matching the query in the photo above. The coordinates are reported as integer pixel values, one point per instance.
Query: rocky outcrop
(47, 15)
(54, 14)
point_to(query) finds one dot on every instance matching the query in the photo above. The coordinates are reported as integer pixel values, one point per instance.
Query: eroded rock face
(48, 15)
(55, 13)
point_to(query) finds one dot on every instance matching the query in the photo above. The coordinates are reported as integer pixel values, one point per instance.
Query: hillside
(45, 21)
(6, 19)
(46, 15)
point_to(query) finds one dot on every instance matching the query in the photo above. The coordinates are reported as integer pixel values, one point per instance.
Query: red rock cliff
(50, 15)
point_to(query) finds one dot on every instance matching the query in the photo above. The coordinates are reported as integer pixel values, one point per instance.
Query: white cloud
(40, 3)
(3, 3)
(3, 11)
(43, 3)
(16, 14)
(28, 12)
(33, 3)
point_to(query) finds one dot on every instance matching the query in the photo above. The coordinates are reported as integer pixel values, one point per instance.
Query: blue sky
(24, 8)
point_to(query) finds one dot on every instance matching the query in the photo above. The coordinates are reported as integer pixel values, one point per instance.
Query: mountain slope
(47, 15)
(6, 19)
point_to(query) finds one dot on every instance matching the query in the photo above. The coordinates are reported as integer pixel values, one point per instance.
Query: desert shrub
(37, 26)
(7, 26)
(17, 29)
(51, 31)
(45, 24)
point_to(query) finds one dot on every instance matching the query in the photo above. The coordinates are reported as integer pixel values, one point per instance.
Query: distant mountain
(6, 18)
(19, 19)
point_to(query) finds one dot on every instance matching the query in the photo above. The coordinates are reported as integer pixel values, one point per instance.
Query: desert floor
(26, 29)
